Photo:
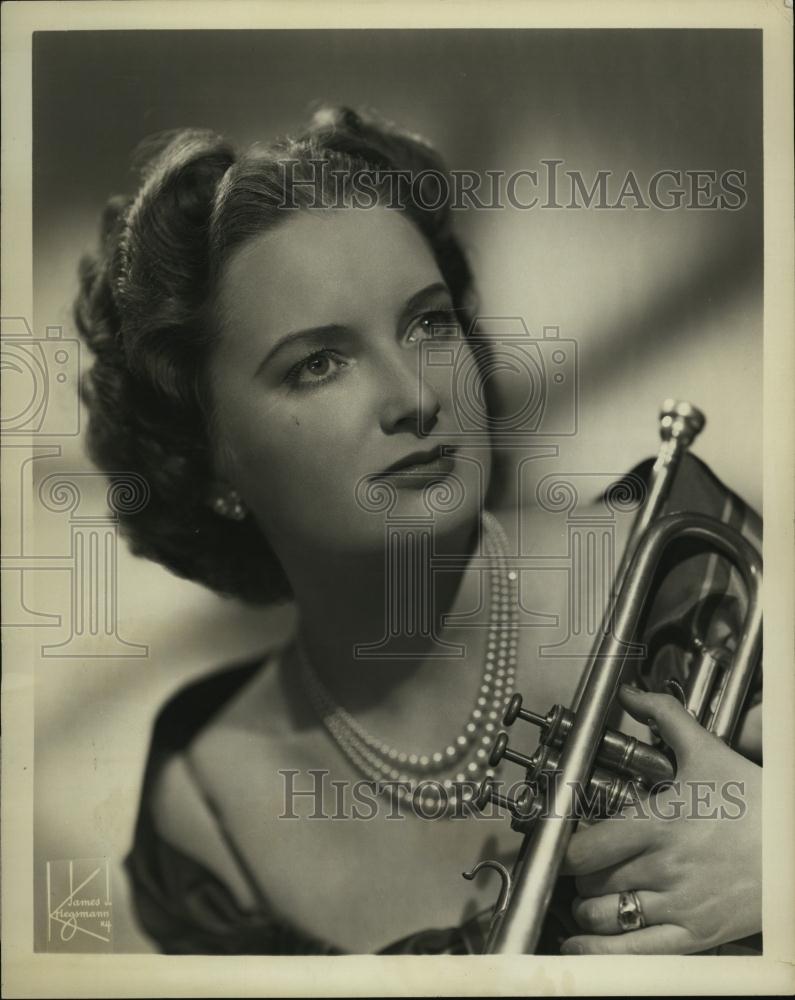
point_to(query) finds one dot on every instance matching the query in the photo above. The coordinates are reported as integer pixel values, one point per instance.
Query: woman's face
(318, 383)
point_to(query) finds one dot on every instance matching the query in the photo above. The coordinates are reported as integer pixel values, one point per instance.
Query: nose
(410, 400)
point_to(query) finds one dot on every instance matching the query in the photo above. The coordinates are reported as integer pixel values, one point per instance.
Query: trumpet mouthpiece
(680, 419)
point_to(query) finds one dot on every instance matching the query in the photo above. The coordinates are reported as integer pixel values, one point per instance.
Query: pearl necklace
(404, 775)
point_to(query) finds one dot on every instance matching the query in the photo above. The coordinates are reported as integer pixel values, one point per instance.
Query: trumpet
(577, 749)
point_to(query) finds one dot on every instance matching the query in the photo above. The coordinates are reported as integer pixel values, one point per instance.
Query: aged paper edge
(33, 975)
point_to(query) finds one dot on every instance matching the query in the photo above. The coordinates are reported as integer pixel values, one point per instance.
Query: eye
(435, 325)
(314, 370)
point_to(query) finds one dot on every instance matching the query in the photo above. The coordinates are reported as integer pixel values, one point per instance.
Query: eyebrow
(335, 329)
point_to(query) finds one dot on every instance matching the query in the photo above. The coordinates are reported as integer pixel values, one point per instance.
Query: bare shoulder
(184, 819)
(183, 795)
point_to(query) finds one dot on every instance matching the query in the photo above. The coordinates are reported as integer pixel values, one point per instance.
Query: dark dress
(186, 909)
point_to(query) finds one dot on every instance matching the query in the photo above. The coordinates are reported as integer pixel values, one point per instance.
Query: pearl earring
(230, 506)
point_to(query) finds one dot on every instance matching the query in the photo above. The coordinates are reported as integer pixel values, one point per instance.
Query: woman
(260, 324)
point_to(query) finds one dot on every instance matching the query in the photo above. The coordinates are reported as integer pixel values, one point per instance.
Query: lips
(421, 459)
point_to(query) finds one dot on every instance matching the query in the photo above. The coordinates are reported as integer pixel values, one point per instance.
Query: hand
(698, 877)
(749, 734)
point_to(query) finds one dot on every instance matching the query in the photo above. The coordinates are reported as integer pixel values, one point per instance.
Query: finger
(749, 734)
(599, 915)
(642, 872)
(662, 939)
(675, 725)
(606, 844)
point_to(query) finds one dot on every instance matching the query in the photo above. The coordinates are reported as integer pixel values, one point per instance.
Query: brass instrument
(576, 748)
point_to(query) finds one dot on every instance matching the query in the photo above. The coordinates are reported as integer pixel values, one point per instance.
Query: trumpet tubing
(577, 746)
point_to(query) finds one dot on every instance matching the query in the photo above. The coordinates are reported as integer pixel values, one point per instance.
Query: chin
(449, 511)
(451, 502)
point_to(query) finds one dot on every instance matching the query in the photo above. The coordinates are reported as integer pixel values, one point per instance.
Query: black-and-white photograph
(385, 458)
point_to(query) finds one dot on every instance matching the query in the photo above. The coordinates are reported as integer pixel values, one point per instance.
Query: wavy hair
(146, 309)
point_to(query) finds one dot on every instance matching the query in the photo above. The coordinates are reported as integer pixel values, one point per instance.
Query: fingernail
(571, 948)
(630, 690)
